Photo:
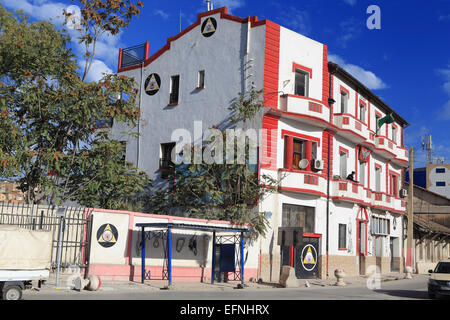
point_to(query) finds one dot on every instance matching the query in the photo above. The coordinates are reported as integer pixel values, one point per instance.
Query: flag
(386, 119)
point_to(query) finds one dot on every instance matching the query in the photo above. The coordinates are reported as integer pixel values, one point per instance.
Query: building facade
(318, 127)
(434, 177)
(9, 193)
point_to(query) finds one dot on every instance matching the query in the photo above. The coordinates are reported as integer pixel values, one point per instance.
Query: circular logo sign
(209, 26)
(309, 257)
(107, 235)
(152, 84)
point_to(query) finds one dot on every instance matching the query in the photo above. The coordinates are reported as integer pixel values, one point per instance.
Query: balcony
(302, 181)
(385, 147)
(401, 156)
(352, 129)
(345, 190)
(307, 107)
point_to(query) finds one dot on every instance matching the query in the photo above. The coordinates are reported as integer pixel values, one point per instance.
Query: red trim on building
(299, 66)
(271, 65)
(342, 88)
(223, 15)
(325, 77)
(120, 60)
(269, 144)
(344, 150)
(299, 135)
(325, 134)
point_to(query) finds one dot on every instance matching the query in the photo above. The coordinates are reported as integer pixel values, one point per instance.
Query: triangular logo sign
(309, 258)
(209, 27)
(107, 235)
(152, 84)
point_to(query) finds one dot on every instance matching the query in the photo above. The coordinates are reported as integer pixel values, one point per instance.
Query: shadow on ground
(410, 294)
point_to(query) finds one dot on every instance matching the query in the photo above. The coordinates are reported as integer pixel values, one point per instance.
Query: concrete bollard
(408, 273)
(339, 274)
(288, 278)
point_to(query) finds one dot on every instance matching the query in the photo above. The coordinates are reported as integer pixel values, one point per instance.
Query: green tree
(48, 112)
(224, 190)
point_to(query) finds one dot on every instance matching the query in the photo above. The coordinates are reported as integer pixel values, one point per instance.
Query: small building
(9, 192)
(434, 177)
(431, 228)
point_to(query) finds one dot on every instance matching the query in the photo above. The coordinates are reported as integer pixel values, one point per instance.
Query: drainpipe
(330, 104)
(138, 142)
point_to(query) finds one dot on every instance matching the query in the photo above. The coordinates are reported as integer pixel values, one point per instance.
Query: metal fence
(43, 217)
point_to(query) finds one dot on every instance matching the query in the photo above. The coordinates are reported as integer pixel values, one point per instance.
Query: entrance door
(306, 258)
(391, 247)
(361, 246)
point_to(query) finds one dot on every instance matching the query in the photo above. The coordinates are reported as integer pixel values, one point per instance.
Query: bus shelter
(237, 238)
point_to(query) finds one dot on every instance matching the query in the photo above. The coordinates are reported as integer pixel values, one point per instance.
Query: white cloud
(368, 78)
(98, 68)
(161, 13)
(41, 10)
(446, 86)
(107, 47)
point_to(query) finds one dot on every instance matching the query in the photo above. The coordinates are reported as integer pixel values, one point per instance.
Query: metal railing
(133, 55)
(43, 217)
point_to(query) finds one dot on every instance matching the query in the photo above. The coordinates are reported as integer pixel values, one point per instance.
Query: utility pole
(410, 240)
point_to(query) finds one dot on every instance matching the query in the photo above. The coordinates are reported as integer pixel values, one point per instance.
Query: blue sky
(406, 63)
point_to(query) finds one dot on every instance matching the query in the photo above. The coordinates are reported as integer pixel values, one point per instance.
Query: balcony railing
(304, 106)
(133, 55)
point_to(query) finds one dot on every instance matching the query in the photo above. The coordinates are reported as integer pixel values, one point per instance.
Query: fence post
(60, 213)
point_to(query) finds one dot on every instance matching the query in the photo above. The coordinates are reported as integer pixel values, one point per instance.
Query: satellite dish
(302, 164)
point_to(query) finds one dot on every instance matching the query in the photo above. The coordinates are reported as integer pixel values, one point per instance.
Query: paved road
(393, 290)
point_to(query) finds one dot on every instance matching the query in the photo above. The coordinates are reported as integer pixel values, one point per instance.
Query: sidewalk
(156, 285)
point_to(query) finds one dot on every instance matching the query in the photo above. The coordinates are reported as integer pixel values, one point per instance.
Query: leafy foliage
(47, 116)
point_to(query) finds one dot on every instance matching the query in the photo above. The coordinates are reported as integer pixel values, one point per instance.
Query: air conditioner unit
(403, 193)
(302, 164)
(317, 164)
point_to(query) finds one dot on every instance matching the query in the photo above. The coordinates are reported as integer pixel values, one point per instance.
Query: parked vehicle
(25, 256)
(439, 282)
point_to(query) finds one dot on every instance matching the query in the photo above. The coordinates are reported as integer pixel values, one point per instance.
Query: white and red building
(316, 111)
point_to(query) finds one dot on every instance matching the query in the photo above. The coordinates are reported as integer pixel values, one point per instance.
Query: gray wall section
(223, 57)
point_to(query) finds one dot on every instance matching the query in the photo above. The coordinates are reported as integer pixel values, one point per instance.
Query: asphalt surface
(414, 289)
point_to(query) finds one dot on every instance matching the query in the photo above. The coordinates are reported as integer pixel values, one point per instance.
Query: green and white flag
(386, 119)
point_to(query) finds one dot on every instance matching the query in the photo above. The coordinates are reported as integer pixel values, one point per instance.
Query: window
(380, 226)
(298, 153)
(165, 161)
(440, 170)
(377, 179)
(298, 216)
(343, 164)
(362, 173)
(301, 83)
(394, 185)
(394, 134)
(201, 79)
(344, 101)
(174, 89)
(362, 113)
(377, 118)
(342, 236)
(440, 184)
